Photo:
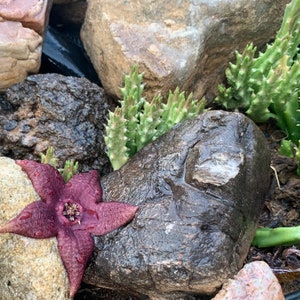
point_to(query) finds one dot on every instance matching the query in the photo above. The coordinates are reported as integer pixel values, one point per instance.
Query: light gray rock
(67, 113)
(200, 189)
(30, 269)
(186, 43)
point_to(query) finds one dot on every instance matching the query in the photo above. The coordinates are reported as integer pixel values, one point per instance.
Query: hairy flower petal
(105, 217)
(84, 188)
(75, 248)
(36, 220)
(72, 212)
(45, 179)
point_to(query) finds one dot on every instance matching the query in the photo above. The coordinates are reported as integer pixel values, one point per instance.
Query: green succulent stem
(267, 85)
(289, 149)
(70, 168)
(49, 157)
(137, 122)
(116, 139)
(280, 236)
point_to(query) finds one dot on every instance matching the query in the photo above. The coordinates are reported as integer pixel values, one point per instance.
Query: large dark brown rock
(200, 189)
(46, 110)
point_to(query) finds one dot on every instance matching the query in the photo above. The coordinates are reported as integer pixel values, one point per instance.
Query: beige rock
(30, 269)
(255, 281)
(176, 43)
(20, 53)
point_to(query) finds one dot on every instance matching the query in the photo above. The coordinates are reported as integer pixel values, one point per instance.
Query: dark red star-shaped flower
(71, 211)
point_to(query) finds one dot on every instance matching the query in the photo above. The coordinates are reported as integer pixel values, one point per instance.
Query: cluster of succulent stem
(137, 122)
(70, 168)
(267, 86)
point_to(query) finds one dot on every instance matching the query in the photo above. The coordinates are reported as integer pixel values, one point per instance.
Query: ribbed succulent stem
(137, 122)
(149, 119)
(131, 106)
(267, 86)
(116, 139)
(70, 167)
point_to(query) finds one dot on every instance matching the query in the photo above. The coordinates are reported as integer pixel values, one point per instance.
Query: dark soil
(282, 208)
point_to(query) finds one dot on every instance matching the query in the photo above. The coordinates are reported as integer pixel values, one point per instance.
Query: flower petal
(105, 217)
(45, 179)
(75, 249)
(36, 220)
(84, 188)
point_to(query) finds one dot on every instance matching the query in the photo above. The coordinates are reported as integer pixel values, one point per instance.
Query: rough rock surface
(200, 189)
(67, 113)
(29, 269)
(255, 281)
(22, 24)
(183, 43)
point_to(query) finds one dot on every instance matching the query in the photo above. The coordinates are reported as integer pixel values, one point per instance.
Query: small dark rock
(200, 189)
(10, 125)
(46, 110)
(5, 106)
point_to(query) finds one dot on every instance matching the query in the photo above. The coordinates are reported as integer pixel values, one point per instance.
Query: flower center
(72, 211)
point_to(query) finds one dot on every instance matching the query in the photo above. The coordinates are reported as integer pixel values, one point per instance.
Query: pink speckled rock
(255, 281)
(32, 14)
(22, 25)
